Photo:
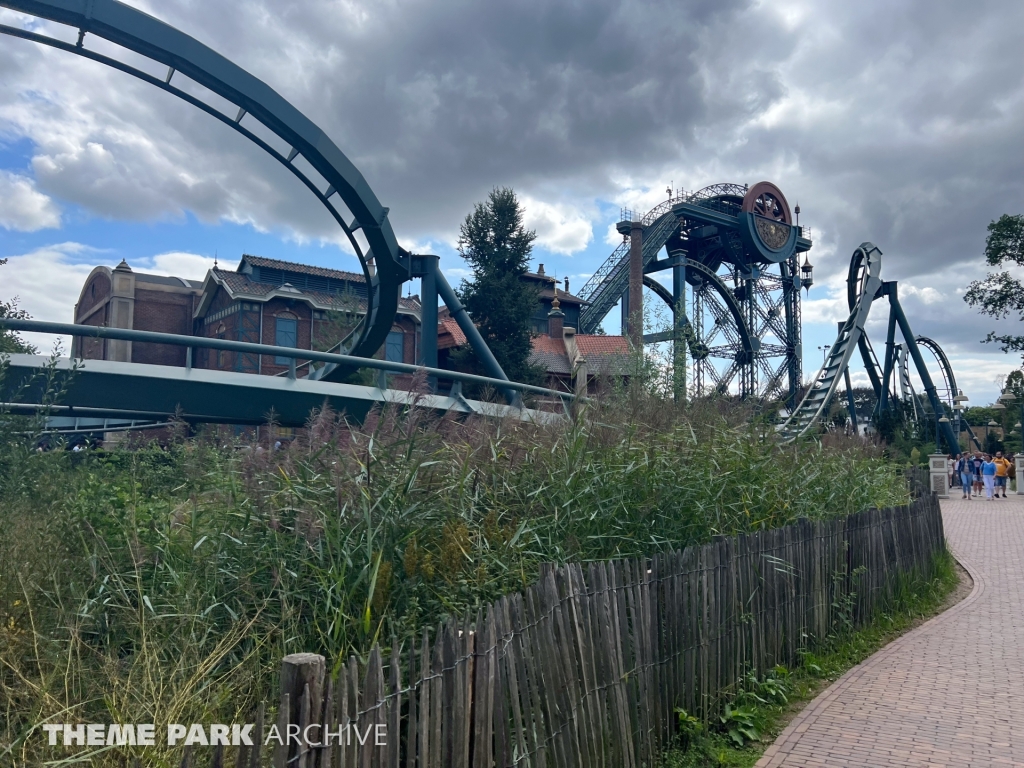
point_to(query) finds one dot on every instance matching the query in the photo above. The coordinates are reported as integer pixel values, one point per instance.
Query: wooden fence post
(302, 690)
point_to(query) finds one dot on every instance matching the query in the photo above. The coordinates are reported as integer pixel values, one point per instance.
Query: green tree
(1014, 384)
(1000, 294)
(10, 342)
(497, 247)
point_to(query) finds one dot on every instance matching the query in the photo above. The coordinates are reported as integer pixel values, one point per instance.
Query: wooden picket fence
(587, 666)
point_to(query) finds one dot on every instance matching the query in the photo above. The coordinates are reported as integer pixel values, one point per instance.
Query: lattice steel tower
(734, 252)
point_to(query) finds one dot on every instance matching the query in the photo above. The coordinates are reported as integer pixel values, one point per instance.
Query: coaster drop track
(895, 395)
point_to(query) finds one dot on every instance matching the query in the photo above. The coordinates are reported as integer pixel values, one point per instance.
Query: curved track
(864, 286)
(814, 405)
(335, 175)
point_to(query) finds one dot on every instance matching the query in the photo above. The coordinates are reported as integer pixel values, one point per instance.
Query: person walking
(1002, 473)
(965, 467)
(988, 474)
(976, 462)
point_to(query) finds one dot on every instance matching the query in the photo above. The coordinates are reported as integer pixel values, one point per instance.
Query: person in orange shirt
(1002, 472)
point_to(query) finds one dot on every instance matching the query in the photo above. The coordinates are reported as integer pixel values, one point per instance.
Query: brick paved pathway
(949, 693)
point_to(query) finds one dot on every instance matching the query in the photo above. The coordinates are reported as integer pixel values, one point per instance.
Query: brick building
(263, 301)
(547, 286)
(122, 298)
(286, 304)
(266, 301)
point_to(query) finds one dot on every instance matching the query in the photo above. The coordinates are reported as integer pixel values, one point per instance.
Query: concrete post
(636, 285)
(1018, 460)
(938, 471)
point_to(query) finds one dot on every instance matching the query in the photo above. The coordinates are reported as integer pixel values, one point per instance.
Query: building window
(394, 347)
(286, 334)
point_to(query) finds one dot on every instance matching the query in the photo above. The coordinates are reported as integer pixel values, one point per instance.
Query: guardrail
(190, 342)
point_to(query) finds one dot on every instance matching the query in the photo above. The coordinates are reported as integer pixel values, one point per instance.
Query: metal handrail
(175, 339)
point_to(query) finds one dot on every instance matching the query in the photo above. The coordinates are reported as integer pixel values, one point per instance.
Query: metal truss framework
(744, 239)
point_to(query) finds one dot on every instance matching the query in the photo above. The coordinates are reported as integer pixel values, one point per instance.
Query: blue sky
(882, 132)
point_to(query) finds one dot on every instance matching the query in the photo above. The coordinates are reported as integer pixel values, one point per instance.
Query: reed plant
(164, 583)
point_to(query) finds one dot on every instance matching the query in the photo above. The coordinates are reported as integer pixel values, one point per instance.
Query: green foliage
(497, 247)
(740, 724)
(1001, 294)
(10, 342)
(168, 582)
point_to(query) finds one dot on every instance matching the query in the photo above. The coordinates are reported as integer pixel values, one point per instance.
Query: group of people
(981, 471)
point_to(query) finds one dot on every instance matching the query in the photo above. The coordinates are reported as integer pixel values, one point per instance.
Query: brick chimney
(555, 317)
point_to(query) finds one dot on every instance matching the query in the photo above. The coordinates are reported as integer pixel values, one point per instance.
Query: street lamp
(807, 274)
(992, 423)
(1009, 397)
(824, 352)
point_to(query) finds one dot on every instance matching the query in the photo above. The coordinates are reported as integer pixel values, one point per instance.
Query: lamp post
(938, 426)
(824, 352)
(1008, 397)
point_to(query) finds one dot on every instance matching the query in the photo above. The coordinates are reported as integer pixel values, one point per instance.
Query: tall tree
(1000, 294)
(497, 246)
(10, 342)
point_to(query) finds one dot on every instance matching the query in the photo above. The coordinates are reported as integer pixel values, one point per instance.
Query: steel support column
(850, 404)
(476, 341)
(679, 325)
(635, 327)
(890, 361)
(922, 370)
(428, 320)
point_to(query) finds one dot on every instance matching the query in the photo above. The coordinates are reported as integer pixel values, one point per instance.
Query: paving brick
(949, 693)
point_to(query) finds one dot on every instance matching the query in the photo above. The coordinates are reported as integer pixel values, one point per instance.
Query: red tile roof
(549, 353)
(449, 334)
(596, 345)
(551, 362)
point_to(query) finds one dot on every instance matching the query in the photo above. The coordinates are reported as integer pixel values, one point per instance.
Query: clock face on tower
(773, 234)
(766, 223)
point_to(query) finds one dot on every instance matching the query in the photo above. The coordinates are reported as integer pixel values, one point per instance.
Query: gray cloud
(898, 123)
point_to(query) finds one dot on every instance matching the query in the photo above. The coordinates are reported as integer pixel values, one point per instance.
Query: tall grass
(165, 584)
